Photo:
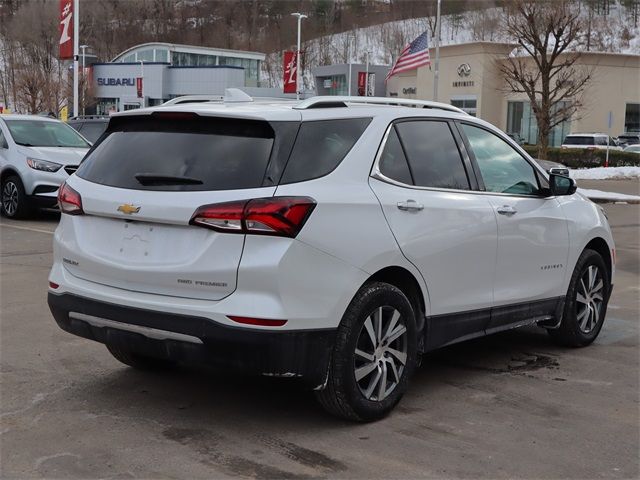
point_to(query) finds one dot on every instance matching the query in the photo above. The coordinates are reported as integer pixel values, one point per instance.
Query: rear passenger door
(533, 237)
(423, 180)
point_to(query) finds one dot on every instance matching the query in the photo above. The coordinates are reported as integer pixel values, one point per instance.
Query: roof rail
(337, 101)
(193, 99)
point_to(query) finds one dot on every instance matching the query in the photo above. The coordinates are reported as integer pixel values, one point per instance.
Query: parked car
(590, 141)
(90, 126)
(632, 148)
(37, 154)
(558, 168)
(334, 240)
(516, 137)
(628, 139)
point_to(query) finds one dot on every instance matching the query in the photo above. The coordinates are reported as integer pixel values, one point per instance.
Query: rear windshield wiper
(150, 179)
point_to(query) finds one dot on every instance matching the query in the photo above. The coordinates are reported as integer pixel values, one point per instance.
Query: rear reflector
(264, 322)
(69, 200)
(54, 286)
(279, 216)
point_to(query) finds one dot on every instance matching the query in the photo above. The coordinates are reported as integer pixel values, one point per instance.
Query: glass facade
(469, 105)
(521, 120)
(632, 117)
(335, 85)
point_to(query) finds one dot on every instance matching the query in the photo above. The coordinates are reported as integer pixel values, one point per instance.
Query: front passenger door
(533, 236)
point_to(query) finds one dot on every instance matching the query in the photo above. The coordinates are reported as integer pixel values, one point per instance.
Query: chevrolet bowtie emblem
(128, 209)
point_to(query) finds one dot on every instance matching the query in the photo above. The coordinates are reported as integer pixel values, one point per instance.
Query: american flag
(414, 55)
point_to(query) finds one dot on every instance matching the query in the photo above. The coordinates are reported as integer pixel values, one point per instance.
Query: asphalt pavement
(508, 406)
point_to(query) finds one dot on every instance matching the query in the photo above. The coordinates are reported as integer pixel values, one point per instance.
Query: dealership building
(469, 79)
(168, 71)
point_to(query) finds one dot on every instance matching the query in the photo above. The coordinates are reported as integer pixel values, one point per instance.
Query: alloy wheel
(10, 198)
(589, 299)
(381, 353)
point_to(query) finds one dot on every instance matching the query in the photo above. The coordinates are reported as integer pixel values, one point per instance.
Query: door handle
(410, 206)
(506, 210)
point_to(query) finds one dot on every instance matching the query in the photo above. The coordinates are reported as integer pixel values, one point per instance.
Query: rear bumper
(197, 340)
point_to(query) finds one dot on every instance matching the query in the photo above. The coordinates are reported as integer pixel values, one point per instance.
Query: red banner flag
(66, 29)
(139, 86)
(290, 72)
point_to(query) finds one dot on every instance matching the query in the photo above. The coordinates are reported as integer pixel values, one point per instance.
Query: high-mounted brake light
(279, 216)
(69, 200)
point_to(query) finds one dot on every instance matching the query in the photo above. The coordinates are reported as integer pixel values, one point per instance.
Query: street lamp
(84, 82)
(298, 63)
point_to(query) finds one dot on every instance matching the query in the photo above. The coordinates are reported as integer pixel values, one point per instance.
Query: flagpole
(76, 54)
(436, 74)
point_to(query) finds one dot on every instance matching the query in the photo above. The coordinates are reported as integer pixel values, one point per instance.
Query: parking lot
(510, 405)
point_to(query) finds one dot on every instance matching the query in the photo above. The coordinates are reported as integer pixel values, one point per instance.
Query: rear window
(181, 154)
(320, 147)
(579, 141)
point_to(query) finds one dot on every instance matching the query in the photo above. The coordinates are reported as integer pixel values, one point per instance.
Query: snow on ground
(602, 173)
(599, 195)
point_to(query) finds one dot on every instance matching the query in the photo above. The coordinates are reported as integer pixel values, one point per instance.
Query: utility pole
(298, 63)
(84, 80)
(142, 105)
(349, 61)
(76, 53)
(436, 74)
(366, 76)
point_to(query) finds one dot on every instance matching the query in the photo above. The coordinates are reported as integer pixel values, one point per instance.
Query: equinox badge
(128, 209)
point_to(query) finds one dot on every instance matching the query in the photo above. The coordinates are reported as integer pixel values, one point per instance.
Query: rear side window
(181, 154)
(433, 155)
(393, 162)
(320, 147)
(579, 141)
(92, 130)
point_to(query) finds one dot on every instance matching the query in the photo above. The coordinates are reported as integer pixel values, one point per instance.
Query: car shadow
(196, 395)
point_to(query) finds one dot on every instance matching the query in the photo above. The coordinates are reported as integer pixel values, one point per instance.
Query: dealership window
(162, 55)
(522, 120)
(632, 117)
(467, 103)
(106, 106)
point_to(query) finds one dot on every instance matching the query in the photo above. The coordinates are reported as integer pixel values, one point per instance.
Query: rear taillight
(69, 200)
(279, 216)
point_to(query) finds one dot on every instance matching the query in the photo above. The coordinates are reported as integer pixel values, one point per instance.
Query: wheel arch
(8, 172)
(601, 246)
(403, 279)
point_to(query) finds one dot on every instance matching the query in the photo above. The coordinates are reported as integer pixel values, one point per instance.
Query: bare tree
(544, 66)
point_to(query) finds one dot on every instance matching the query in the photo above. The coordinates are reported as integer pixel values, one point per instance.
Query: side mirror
(562, 185)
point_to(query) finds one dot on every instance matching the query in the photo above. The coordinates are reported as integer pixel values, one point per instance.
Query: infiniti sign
(464, 70)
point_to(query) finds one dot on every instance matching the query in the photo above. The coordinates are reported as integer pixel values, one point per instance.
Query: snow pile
(602, 173)
(601, 196)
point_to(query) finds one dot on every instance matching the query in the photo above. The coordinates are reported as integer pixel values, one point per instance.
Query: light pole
(350, 66)
(366, 78)
(436, 74)
(76, 43)
(298, 63)
(84, 80)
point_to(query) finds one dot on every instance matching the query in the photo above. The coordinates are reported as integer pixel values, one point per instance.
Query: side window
(320, 147)
(393, 162)
(3, 141)
(601, 141)
(503, 169)
(433, 155)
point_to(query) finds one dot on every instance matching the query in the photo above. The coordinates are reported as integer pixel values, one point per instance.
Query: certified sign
(464, 70)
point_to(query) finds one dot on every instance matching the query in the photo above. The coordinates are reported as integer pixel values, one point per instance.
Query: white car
(632, 148)
(37, 154)
(591, 141)
(336, 239)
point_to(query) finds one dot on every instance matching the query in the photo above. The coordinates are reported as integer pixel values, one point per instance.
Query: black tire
(342, 395)
(15, 202)
(570, 333)
(140, 362)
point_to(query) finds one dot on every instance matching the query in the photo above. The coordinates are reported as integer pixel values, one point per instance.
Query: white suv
(37, 154)
(336, 239)
(590, 141)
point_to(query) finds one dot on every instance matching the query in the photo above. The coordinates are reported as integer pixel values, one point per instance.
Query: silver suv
(37, 154)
